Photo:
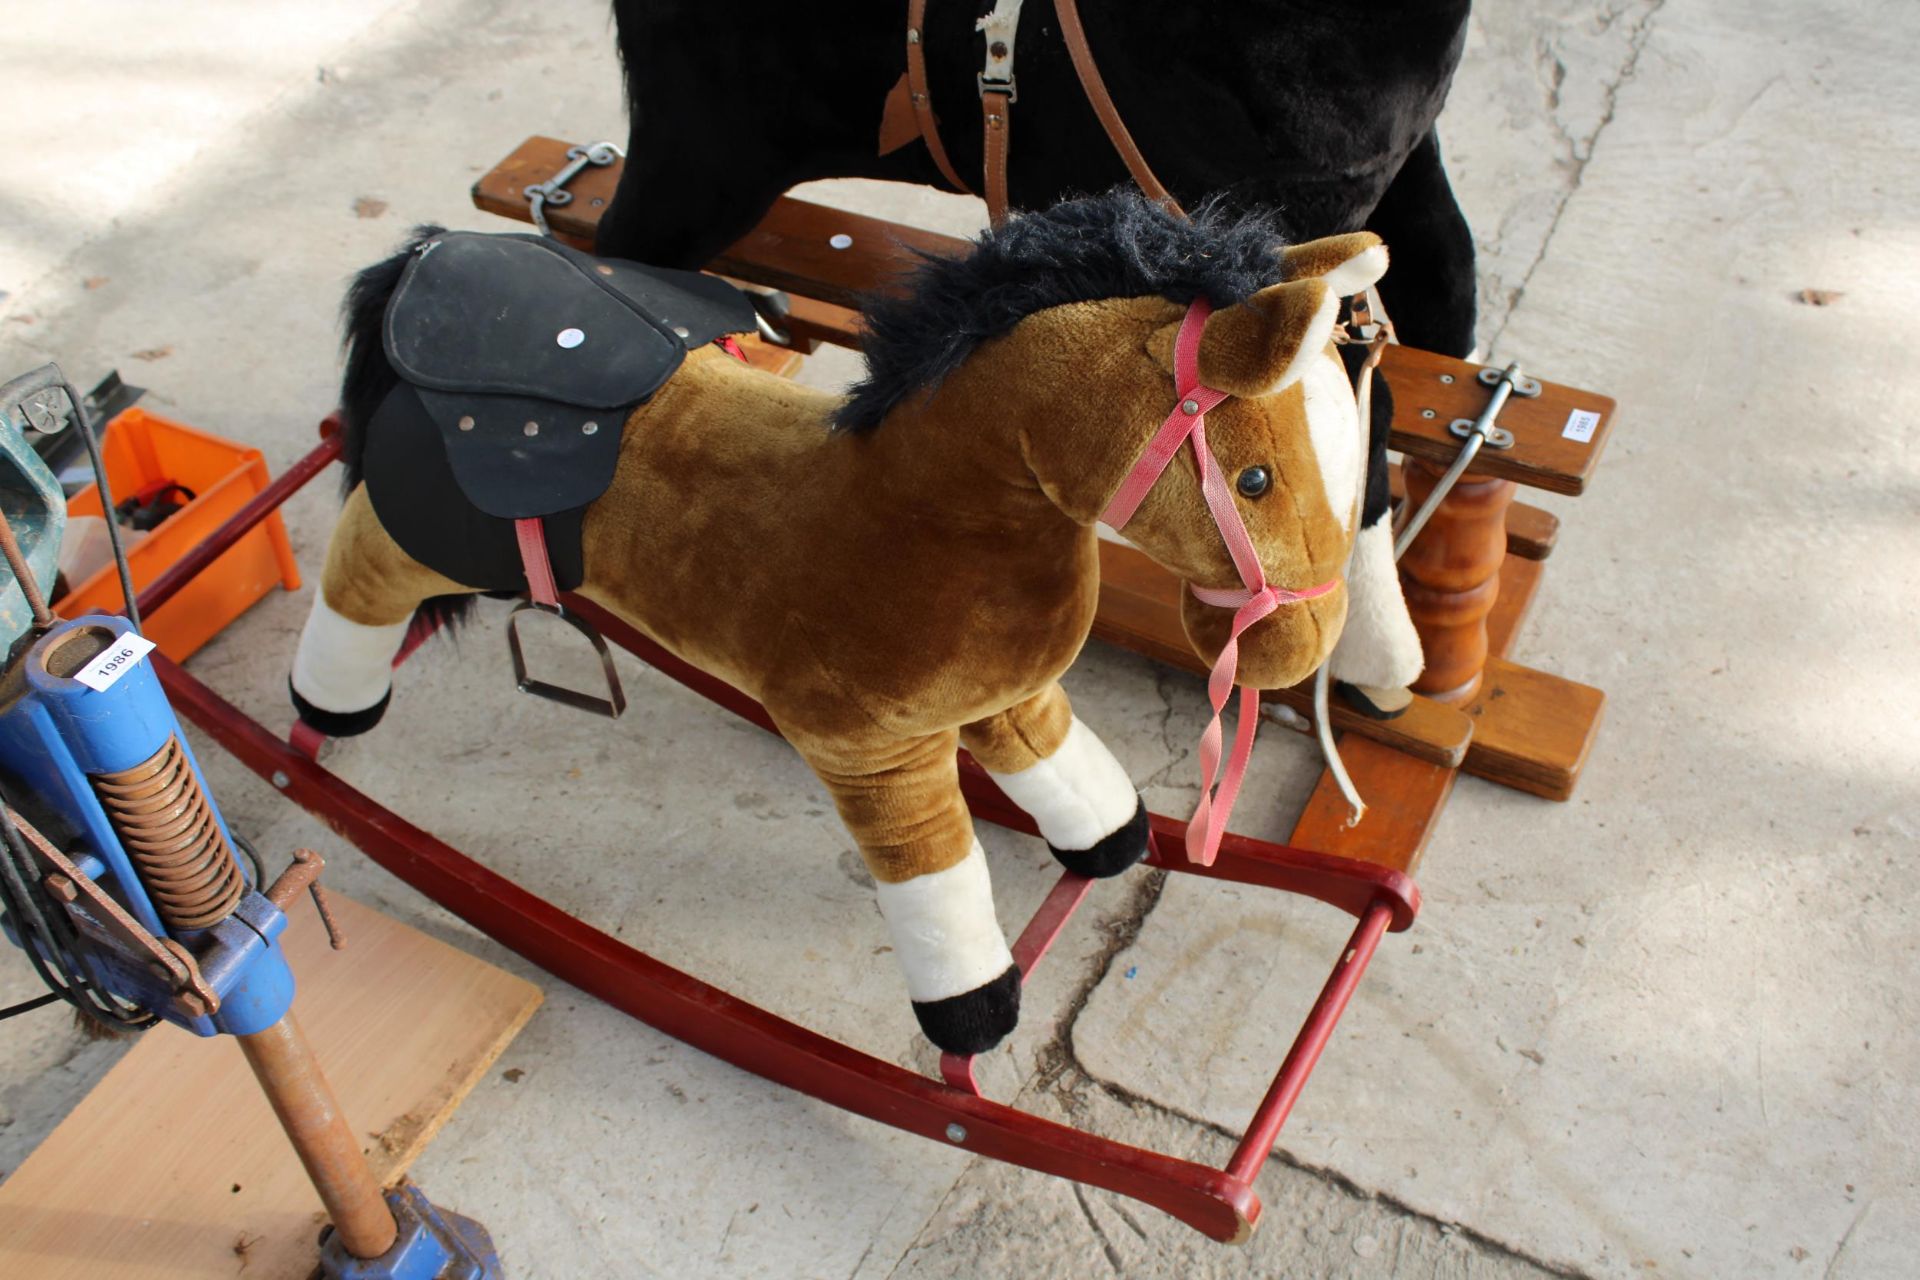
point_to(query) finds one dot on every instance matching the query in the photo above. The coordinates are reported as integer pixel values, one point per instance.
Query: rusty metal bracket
(97, 916)
(304, 874)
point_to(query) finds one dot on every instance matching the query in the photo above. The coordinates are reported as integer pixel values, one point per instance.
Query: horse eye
(1254, 482)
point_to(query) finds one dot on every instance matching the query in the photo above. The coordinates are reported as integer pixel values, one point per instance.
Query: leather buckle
(610, 706)
(1004, 87)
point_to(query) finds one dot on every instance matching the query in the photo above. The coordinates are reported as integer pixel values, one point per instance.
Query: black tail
(369, 378)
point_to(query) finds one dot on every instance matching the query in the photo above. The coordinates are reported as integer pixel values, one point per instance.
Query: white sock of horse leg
(1379, 647)
(946, 936)
(344, 667)
(1079, 797)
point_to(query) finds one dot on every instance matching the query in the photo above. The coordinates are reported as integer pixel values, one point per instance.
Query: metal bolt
(1446, 377)
(281, 780)
(588, 428)
(466, 422)
(956, 1133)
(913, 35)
(532, 429)
(840, 240)
(570, 338)
(998, 49)
(1190, 407)
(1427, 413)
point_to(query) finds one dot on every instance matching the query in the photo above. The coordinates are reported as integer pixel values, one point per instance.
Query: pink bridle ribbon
(1188, 422)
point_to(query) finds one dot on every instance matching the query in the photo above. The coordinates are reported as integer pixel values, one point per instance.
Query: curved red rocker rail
(1221, 1203)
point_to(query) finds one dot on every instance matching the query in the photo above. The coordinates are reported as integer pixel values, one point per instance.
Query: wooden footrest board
(794, 249)
(174, 1165)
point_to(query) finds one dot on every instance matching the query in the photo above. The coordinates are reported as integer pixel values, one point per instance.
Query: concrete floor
(1664, 1029)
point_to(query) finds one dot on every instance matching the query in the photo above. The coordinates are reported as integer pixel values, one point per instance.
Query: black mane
(1118, 245)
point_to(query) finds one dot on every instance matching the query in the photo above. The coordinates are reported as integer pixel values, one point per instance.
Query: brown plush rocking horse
(894, 573)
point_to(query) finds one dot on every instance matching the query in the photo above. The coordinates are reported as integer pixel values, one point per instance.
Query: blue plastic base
(433, 1245)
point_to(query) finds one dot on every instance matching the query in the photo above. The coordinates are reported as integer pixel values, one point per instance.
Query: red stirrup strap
(1188, 422)
(532, 536)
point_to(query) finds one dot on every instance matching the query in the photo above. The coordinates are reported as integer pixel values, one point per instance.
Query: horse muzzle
(1282, 648)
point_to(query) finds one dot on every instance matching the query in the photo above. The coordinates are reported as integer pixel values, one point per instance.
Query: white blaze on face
(1333, 424)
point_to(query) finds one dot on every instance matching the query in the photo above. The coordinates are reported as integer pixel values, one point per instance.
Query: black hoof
(973, 1021)
(1112, 854)
(338, 724)
(1375, 704)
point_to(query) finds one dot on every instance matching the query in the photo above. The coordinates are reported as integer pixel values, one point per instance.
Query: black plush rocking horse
(1321, 113)
(1318, 110)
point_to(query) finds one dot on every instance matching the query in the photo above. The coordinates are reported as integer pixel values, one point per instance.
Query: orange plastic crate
(142, 449)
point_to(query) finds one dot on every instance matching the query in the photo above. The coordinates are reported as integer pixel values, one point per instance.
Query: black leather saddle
(520, 360)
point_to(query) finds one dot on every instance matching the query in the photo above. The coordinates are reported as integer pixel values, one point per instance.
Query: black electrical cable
(28, 1006)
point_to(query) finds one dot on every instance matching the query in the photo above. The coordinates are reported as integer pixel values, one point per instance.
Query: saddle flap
(524, 316)
(516, 457)
(528, 357)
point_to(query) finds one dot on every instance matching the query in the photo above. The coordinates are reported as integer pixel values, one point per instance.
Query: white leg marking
(342, 665)
(1333, 424)
(1379, 646)
(1077, 796)
(945, 934)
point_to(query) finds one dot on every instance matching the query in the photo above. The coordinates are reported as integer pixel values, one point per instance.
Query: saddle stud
(466, 422)
(588, 428)
(682, 330)
(569, 338)
(532, 429)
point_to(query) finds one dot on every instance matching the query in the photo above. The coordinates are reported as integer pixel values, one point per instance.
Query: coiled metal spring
(173, 839)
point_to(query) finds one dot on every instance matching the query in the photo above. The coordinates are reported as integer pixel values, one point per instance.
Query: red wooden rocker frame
(1222, 1203)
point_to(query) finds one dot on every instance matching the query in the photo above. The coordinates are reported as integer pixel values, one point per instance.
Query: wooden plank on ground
(174, 1166)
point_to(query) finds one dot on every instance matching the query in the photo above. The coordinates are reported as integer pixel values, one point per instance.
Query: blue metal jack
(119, 877)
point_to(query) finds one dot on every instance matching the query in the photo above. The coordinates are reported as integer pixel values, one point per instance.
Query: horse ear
(1267, 342)
(1347, 263)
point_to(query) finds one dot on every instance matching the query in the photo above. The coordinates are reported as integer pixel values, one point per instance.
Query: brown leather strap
(1096, 90)
(922, 99)
(996, 124)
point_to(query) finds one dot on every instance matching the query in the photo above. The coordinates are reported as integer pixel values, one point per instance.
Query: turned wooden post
(1451, 576)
